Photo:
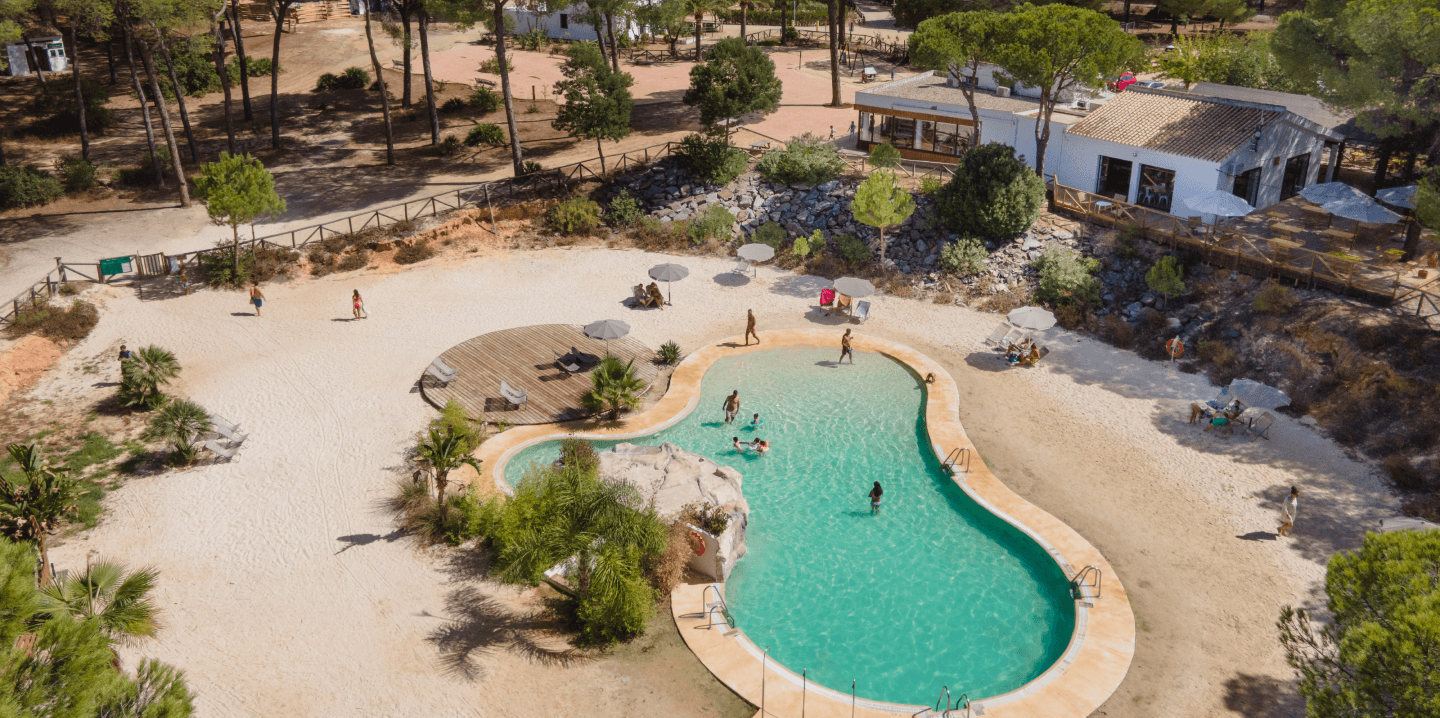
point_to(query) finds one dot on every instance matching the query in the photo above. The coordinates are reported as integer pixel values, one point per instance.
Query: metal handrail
(961, 704)
(708, 608)
(956, 455)
(1077, 582)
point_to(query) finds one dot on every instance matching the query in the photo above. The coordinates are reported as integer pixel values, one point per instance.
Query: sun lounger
(568, 364)
(440, 376)
(234, 437)
(862, 311)
(998, 336)
(742, 266)
(511, 394)
(1261, 427)
(218, 420)
(219, 450)
(444, 368)
(842, 304)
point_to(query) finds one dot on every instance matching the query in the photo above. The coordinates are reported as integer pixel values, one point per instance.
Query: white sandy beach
(288, 592)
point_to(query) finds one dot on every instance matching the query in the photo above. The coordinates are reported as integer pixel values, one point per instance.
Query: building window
(1295, 170)
(1157, 188)
(1115, 178)
(564, 21)
(1247, 185)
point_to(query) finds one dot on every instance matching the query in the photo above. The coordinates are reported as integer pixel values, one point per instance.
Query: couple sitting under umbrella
(1026, 353)
(649, 296)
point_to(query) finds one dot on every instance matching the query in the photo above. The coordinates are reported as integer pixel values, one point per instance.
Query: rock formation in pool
(671, 478)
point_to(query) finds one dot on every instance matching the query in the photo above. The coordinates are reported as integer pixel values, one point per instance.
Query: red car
(1123, 82)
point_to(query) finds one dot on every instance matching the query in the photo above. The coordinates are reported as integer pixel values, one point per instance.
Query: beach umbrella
(668, 273)
(1258, 395)
(854, 288)
(607, 329)
(1329, 192)
(1032, 318)
(1219, 202)
(1361, 209)
(1399, 196)
(756, 252)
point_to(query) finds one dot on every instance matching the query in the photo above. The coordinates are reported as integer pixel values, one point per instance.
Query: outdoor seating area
(1242, 405)
(528, 375)
(226, 438)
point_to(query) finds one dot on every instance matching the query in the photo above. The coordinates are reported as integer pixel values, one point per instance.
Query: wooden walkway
(524, 357)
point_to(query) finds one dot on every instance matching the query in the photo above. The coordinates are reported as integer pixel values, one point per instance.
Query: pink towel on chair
(826, 296)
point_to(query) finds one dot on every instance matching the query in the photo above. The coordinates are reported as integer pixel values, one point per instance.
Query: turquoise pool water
(934, 591)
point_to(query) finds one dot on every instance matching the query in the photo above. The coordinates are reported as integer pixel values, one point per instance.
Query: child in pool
(760, 445)
(756, 422)
(742, 448)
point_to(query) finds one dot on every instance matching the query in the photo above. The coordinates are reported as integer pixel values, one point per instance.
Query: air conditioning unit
(1002, 92)
(1082, 105)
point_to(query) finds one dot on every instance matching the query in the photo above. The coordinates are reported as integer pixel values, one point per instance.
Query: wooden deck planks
(524, 357)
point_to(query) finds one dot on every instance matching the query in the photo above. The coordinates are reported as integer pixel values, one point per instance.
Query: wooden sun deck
(525, 358)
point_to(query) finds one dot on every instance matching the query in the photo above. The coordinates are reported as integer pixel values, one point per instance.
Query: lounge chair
(219, 450)
(569, 364)
(440, 376)
(512, 395)
(218, 420)
(997, 337)
(444, 368)
(842, 304)
(862, 311)
(234, 437)
(743, 266)
(1261, 427)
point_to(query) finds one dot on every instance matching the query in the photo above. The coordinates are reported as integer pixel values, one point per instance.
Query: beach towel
(827, 296)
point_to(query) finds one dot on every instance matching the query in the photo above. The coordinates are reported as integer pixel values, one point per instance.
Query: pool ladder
(710, 606)
(958, 456)
(961, 704)
(1079, 582)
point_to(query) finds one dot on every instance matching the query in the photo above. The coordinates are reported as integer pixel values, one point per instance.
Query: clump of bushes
(770, 233)
(27, 187)
(713, 159)
(930, 185)
(578, 215)
(852, 249)
(414, 252)
(77, 173)
(532, 40)
(453, 105)
(624, 210)
(256, 265)
(55, 101)
(71, 323)
(669, 353)
(1274, 299)
(1117, 331)
(492, 66)
(1215, 352)
(1065, 277)
(485, 135)
(448, 146)
(805, 160)
(353, 78)
(144, 174)
(964, 256)
(485, 99)
(717, 222)
(992, 193)
(355, 259)
(254, 67)
(531, 167)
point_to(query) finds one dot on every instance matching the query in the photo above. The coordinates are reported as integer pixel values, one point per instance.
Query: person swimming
(875, 495)
(739, 445)
(760, 445)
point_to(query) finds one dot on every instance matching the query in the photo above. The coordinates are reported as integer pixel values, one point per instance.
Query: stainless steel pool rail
(1078, 582)
(710, 606)
(958, 456)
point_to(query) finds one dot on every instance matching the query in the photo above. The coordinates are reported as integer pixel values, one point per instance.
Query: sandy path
(287, 592)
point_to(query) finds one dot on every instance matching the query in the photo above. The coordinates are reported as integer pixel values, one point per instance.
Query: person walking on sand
(358, 305)
(125, 354)
(875, 495)
(750, 327)
(846, 349)
(1288, 508)
(257, 297)
(732, 406)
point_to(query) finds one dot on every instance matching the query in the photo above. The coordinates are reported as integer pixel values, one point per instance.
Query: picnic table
(1286, 231)
(1339, 238)
(761, 146)
(1315, 217)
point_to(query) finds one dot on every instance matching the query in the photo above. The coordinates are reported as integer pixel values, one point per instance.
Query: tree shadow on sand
(479, 625)
(1262, 697)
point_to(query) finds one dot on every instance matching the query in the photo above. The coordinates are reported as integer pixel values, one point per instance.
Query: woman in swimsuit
(358, 303)
(875, 495)
(760, 445)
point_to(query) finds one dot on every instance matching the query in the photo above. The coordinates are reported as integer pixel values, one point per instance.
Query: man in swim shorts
(732, 406)
(750, 327)
(846, 349)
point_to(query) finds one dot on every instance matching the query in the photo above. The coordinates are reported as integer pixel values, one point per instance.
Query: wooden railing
(1237, 250)
(481, 194)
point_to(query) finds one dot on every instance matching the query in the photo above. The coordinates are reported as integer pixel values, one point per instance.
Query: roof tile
(1190, 127)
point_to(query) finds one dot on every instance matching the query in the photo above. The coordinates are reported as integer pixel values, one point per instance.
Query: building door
(1247, 185)
(1295, 170)
(564, 23)
(1157, 188)
(1115, 178)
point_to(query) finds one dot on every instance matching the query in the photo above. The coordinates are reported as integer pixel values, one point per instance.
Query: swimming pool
(934, 591)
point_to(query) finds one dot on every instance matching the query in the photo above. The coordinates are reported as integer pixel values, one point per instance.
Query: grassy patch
(96, 449)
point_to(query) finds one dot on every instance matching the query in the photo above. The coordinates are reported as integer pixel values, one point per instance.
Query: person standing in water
(875, 495)
(755, 422)
(257, 297)
(750, 327)
(358, 305)
(740, 447)
(732, 406)
(846, 349)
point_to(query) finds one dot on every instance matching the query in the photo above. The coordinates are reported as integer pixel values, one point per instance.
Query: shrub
(1165, 277)
(254, 67)
(448, 146)
(713, 519)
(930, 185)
(533, 109)
(624, 210)
(532, 41)
(357, 258)
(453, 105)
(992, 193)
(354, 78)
(1274, 299)
(1065, 277)
(713, 160)
(485, 99)
(326, 82)
(717, 222)
(26, 187)
(1127, 237)
(414, 252)
(55, 102)
(1404, 473)
(71, 323)
(219, 267)
(852, 249)
(885, 155)
(1070, 316)
(964, 256)
(790, 33)
(77, 173)
(1215, 352)
(770, 233)
(492, 66)
(531, 167)
(144, 175)
(804, 246)
(805, 160)
(485, 135)
(1117, 331)
(669, 353)
(577, 215)
(454, 419)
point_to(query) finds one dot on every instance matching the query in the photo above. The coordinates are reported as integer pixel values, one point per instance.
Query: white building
(1154, 147)
(567, 24)
(48, 51)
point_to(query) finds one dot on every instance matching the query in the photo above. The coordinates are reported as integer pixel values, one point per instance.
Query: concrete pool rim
(1086, 674)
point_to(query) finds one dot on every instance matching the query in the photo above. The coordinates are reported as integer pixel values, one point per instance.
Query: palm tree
(181, 423)
(142, 375)
(445, 453)
(744, 17)
(698, 8)
(32, 511)
(613, 387)
(118, 600)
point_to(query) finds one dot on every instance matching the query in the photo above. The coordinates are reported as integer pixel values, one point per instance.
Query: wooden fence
(482, 194)
(1239, 251)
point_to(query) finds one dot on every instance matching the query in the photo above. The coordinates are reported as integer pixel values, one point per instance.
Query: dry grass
(56, 323)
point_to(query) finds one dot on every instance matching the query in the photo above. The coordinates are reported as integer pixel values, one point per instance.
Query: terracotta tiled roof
(1163, 122)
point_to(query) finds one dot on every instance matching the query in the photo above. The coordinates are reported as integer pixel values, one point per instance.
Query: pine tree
(597, 98)
(881, 203)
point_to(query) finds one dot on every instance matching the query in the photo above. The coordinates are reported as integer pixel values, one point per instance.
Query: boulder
(670, 477)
